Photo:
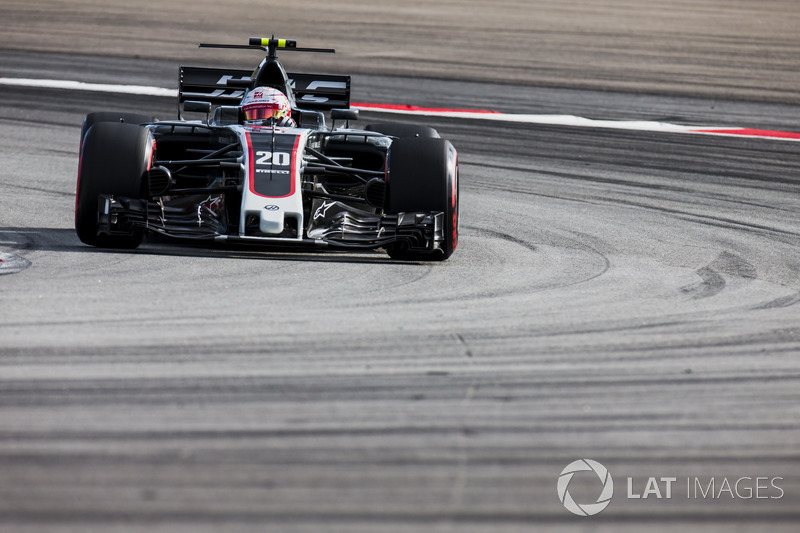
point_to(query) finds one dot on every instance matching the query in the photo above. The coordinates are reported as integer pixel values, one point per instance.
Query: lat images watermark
(585, 509)
(661, 488)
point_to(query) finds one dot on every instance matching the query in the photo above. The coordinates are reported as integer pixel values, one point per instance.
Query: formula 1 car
(227, 178)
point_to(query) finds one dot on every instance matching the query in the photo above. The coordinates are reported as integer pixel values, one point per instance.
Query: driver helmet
(265, 105)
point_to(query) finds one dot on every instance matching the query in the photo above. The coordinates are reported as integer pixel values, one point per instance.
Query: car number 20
(280, 159)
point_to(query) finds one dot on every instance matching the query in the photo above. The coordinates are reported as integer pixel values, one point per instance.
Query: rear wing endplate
(320, 92)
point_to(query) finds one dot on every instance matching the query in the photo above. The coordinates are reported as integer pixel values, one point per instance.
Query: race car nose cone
(271, 221)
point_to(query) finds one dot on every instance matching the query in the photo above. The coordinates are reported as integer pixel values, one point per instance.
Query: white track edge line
(143, 90)
(548, 120)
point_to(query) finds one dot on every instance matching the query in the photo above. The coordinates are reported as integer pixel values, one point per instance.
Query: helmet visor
(262, 111)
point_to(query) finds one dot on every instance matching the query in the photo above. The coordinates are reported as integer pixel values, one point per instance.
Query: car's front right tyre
(114, 158)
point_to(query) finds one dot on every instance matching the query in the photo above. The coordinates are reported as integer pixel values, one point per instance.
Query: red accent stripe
(251, 161)
(152, 153)
(402, 107)
(78, 182)
(294, 165)
(753, 133)
(454, 202)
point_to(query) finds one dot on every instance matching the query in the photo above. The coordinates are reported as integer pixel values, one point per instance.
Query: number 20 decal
(280, 159)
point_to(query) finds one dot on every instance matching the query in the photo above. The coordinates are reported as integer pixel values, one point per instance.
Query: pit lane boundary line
(473, 114)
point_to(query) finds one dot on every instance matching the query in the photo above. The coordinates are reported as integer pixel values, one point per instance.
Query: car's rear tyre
(114, 156)
(423, 177)
(404, 131)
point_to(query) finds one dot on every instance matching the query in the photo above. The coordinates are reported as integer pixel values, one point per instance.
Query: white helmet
(265, 103)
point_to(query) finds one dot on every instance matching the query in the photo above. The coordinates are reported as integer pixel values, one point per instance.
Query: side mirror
(343, 114)
(194, 106)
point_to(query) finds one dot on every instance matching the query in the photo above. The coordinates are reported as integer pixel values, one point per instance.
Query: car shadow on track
(65, 240)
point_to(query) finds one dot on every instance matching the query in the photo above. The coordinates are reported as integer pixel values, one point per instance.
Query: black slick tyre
(423, 177)
(114, 156)
(112, 116)
(404, 131)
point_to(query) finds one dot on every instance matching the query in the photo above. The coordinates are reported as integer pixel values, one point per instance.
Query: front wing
(332, 223)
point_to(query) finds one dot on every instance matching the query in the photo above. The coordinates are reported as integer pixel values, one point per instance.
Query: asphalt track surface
(627, 297)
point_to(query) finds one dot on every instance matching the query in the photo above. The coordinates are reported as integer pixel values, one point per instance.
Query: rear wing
(320, 92)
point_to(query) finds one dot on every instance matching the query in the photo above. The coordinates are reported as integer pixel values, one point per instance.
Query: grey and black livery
(386, 186)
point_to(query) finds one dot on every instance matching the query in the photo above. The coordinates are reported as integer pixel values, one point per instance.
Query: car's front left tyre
(423, 177)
